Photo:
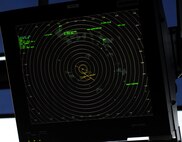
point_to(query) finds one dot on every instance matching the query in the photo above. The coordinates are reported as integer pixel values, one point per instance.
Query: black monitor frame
(162, 125)
(4, 83)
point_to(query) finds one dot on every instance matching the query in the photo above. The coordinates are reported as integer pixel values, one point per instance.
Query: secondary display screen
(85, 68)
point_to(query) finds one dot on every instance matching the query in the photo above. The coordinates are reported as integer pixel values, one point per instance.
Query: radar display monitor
(87, 72)
(85, 68)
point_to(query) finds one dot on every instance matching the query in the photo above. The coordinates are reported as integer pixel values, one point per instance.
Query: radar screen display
(85, 68)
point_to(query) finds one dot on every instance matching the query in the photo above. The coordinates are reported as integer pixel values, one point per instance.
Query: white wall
(8, 130)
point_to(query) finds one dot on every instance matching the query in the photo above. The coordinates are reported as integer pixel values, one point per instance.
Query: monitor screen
(91, 71)
(85, 68)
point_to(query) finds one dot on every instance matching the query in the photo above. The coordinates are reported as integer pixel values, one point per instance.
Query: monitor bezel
(158, 124)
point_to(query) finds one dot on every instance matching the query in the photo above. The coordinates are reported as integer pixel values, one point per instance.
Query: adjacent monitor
(86, 71)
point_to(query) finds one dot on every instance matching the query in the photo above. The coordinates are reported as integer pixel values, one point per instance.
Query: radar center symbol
(86, 74)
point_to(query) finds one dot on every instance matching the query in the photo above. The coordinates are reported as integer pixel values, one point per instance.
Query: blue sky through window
(6, 105)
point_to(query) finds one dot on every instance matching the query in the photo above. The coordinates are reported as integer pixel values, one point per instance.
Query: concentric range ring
(85, 68)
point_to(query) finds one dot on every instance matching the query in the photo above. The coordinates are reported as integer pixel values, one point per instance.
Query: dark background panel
(6, 5)
(170, 12)
(3, 76)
